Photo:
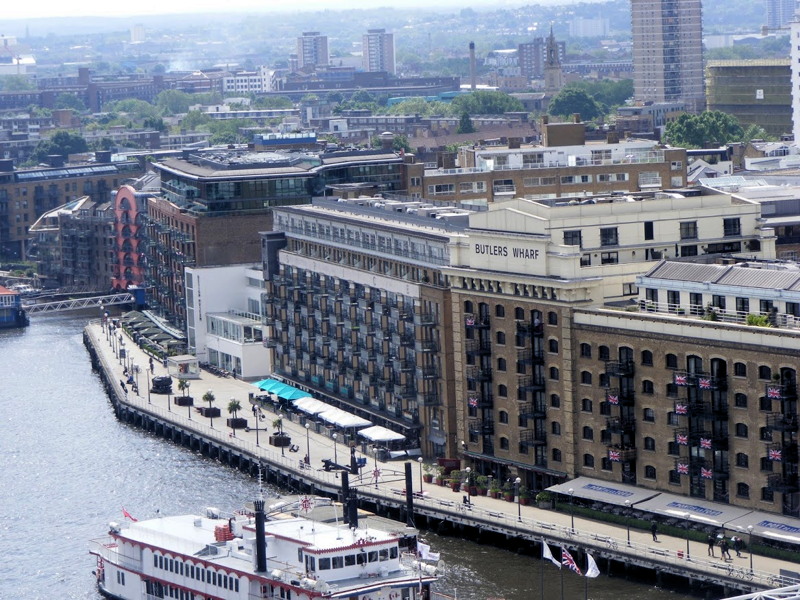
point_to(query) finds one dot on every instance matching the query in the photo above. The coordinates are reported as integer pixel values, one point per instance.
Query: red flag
(569, 562)
(128, 515)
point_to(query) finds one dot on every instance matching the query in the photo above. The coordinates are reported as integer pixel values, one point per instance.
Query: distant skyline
(37, 9)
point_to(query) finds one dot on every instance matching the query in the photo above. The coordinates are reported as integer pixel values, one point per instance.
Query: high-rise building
(532, 57)
(780, 12)
(378, 51)
(668, 51)
(312, 50)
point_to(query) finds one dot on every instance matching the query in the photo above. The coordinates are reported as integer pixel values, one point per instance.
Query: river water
(69, 467)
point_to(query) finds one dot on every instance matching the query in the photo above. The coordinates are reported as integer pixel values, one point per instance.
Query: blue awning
(267, 384)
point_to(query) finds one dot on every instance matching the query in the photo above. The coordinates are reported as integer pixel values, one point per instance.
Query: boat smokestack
(261, 536)
(472, 75)
(345, 495)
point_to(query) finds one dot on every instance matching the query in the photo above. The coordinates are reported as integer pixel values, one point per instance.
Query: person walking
(654, 531)
(725, 550)
(737, 546)
(712, 541)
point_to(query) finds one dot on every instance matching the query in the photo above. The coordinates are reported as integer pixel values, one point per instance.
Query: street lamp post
(335, 458)
(257, 415)
(628, 519)
(688, 519)
(148, 386)
(233, 429)
(750, 544)
(517, 481)
(468, 478)
(210, 394)
(188, 405)
(420, 461)
(121, 353)
(308, 444)
(571, 510)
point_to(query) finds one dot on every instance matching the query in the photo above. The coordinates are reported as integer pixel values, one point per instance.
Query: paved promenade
(556, 527)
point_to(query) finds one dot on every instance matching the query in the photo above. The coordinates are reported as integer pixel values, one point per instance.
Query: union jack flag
(681, 380)
(569, 562)
(683, 469)
(682, 439)
(774, 392)
(706, 473)
(473, 402)
(705, 443)
(775, 455)
(681, 409)
(614, 456)
(704, 383)
(613, 399)
(470, 321)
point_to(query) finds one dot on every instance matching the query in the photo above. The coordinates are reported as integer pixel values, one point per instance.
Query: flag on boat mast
(128, 515)
(591, 566)
(549, 555)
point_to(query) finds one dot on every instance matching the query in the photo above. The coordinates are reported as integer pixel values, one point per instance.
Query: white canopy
(342, 418)
(603, 491)
(711, 513)
(310, 405)
(776, 527)
(376, 433)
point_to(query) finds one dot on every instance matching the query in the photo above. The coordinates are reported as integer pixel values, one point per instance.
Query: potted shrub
(544, 499)
(235, 422)
(494, 489)
(184, 399)
(428, 472)
(455, 480)
(279, 438)
(439, 475)
(524, 496)
(508, 491)
(482, 482)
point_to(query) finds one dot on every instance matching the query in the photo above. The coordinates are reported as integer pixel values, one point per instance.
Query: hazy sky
(12, 9)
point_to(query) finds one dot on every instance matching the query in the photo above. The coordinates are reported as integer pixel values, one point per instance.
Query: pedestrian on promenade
(151, 364)
(654, 531)
(737, 546)
(712, 541)
(725, 550)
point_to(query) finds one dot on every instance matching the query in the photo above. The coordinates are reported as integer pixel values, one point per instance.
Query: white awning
(603, 491)
(701, 511)
(342, 418)
(376, 433)
(311, 406)
(776, 527)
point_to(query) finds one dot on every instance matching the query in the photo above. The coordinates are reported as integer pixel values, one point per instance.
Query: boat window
(361, 558)
(393, 552)
(384, 554)
(349, 560)
(373, 556)
(337, 562)
(324, 564)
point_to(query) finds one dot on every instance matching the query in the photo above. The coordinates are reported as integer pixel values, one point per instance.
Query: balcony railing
(620, 368)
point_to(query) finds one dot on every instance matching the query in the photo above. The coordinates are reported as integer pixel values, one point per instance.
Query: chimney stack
(261, 539)
(472, 75)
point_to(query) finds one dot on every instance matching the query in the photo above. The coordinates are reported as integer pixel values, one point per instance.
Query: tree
(234, 406)
(70, 101)
(399, 142)
(486, 103)
(209, 397)
(709, 129)
(62, 142)
(16, 83)
(422, 107)
(173, 102)
(465, 124)
(194, 119)
(570, 101)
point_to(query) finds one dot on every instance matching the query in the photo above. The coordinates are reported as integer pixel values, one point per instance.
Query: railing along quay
(430, 508)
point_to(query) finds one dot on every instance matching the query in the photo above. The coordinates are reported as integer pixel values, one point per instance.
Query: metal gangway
(79, 303)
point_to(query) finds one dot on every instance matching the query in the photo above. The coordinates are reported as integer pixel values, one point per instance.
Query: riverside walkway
(382, 483)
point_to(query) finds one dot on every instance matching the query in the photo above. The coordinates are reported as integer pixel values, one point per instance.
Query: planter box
(494, 494)
(184, 401)
(427, 478)
(210, 411)
(280, 441)
(525, 501)
(482, 491)
(237, 423)
(509, 497)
